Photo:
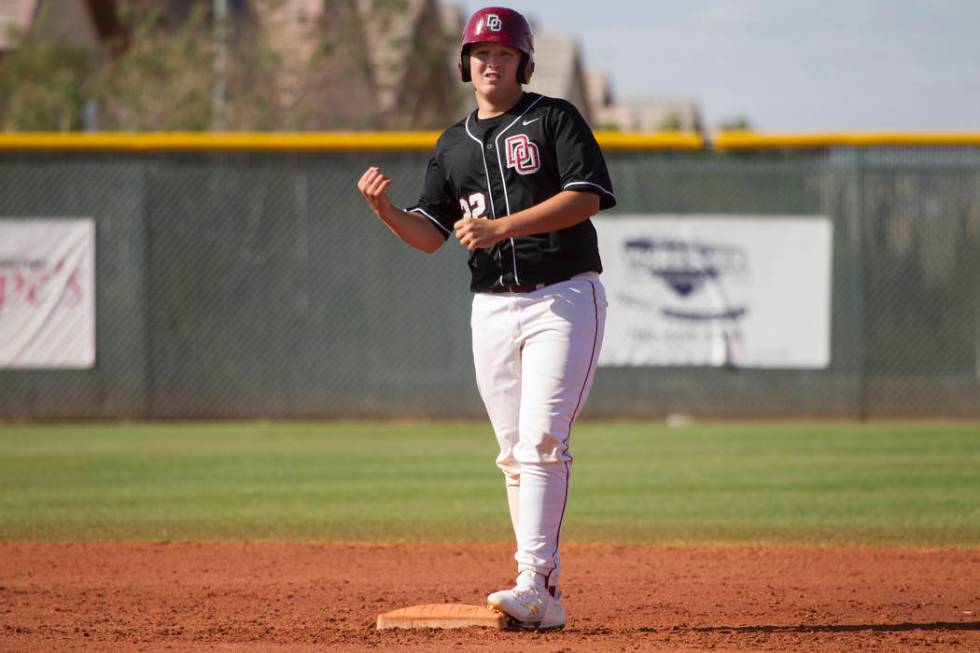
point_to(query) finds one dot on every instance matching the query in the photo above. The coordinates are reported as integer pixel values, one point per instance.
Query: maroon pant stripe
(581, 394)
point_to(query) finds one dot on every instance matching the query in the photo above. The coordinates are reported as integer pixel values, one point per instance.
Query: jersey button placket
(490, 159)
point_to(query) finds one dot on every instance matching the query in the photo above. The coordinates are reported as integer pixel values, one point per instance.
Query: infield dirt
(320, 597)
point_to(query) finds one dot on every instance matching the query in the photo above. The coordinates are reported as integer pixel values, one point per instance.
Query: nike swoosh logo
(528, 122)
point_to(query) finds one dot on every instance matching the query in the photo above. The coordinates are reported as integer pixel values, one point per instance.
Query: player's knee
(542, 440)
(545, 449)
(511, 469)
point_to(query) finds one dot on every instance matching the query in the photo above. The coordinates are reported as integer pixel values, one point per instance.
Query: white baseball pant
(535, 356)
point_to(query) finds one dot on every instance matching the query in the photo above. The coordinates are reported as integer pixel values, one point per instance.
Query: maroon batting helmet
(498, 25)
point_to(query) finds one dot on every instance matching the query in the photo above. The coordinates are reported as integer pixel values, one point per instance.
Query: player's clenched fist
(374, 186)
(477, 233)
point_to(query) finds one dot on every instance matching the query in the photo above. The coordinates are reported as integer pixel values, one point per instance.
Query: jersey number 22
(475, 206)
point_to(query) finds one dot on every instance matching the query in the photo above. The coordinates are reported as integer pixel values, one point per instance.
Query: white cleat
(529, 605)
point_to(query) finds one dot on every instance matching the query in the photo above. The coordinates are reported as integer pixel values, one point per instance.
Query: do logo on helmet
(522, 154)
(494, 24)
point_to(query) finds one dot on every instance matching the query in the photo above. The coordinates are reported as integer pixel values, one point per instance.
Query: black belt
(525, 287)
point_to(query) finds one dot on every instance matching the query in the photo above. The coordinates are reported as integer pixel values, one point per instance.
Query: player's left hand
(478, 233)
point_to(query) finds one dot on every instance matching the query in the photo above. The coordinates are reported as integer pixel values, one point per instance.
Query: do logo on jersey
(494, 24)
(522, 154)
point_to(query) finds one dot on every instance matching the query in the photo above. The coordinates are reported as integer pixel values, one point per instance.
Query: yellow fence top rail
(369, 141)
(326, 141)
(176, 141)
(650, 141)
(757, 141)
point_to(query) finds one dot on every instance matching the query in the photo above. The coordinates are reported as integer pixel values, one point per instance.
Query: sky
(786, 65)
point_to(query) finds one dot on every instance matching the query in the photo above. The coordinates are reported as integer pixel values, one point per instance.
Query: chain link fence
(260, 285)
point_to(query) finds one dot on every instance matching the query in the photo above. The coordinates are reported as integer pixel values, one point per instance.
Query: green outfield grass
(893, 484)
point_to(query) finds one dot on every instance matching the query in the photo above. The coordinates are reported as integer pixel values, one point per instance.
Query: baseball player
(515, 182)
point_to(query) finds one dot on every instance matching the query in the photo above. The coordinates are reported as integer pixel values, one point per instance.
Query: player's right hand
(374, 186)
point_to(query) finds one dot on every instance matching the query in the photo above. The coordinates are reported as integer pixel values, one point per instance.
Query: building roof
(651, 115)
(558, 71)
(85, 23)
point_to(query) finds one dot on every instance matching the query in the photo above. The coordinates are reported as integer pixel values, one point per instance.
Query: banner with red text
(47, 293)
(717, 290)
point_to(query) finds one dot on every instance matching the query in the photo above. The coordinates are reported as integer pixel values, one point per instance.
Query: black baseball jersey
(494, 167)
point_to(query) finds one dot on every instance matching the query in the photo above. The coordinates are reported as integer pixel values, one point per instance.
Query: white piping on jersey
(486, 171)
(588, 183)
(434, 221)
(503, 177)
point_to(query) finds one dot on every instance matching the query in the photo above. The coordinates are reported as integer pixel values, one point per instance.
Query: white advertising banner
(47, 293)
(716, 290)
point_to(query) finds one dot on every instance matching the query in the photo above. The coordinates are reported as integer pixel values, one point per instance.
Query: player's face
(493, 68)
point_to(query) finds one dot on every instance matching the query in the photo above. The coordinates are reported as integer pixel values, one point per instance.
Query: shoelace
(526, 586)
(525, 591)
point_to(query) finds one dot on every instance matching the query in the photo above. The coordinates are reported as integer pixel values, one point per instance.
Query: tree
(736, 124)
(670, 123)
(262, 71)
(162, 78)
(43, 85)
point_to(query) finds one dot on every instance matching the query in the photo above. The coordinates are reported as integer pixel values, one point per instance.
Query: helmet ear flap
(522, 69)
(464, 63)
